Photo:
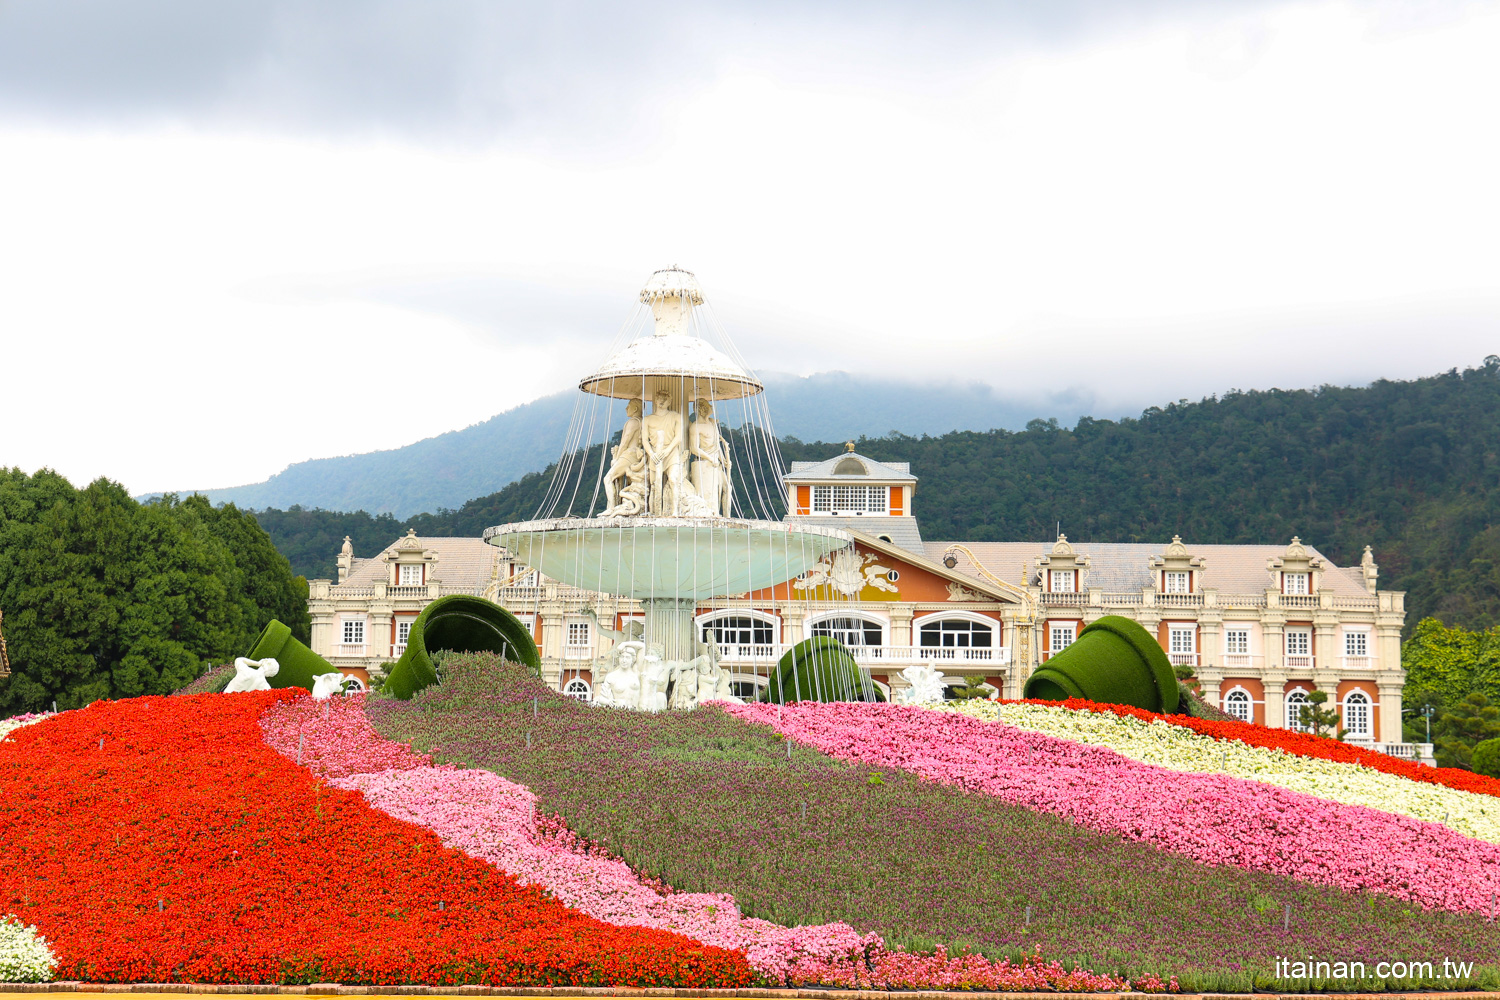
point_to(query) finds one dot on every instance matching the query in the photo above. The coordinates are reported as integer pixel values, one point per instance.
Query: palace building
(1262, 626)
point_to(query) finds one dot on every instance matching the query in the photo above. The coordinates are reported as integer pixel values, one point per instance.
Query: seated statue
(252, 675)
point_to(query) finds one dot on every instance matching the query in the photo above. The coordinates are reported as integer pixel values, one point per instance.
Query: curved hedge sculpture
(299, 665)
(462, 624)
(819, 669)
(1114, 661)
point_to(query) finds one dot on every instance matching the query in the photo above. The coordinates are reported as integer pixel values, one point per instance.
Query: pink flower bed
(1214, 819)
(495, 820)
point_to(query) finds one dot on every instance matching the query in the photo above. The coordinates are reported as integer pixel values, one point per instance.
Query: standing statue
(656, 674)
(620, 684)
(926, 684)
(711, 468)
(625, 482)
(663, 443)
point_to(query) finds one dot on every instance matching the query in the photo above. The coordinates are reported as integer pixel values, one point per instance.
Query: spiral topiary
(462, 624)
(820, 669)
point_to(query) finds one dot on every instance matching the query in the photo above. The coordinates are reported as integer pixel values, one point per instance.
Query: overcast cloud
(236, 235)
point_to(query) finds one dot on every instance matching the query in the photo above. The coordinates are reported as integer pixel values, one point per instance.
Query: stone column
(378, 639)
(1273, 673)
(792, 620)
(901, 616)
(1390, 712)
(1275, 681)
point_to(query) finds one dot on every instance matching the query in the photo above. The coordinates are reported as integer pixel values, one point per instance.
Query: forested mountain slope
(1408, 467)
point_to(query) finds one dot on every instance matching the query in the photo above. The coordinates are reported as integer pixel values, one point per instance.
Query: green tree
(108, 598)
(1316, 719)
(1486, 758)
(1463, 727)
(972, 688)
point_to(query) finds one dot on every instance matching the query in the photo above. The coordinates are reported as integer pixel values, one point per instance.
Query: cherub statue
(252, 675)
(711, 465)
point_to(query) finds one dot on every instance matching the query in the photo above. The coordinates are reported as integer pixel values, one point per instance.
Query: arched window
(1238, 704)
(943, 638)
(748, 690)
(739, 630)
(1295, 699)
(579, 688)
(849, 631)
(353, 684)
(1357, 714)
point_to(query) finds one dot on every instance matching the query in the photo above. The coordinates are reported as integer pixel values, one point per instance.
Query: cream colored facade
(1261, 625)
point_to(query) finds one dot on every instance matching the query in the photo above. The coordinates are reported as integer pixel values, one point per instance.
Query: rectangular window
(403, 630)
(411, 576)
(1294, 583)
(354, 631)
(1299, 643)
(1237, 641)
(1180, 640)
(1356, 644)
(850, 499)
(1063, 580)
(1176, 583)
(1063, 634)
(578, 634)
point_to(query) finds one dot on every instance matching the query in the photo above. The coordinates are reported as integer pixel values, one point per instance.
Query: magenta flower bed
(1213, 819)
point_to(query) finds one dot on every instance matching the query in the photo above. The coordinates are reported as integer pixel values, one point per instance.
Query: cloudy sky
(235, 235)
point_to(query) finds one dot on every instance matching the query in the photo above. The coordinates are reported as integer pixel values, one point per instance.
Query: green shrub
(1486, 758)
(820, 669)
(1114, 661)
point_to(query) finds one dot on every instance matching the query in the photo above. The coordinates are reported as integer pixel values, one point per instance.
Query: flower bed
(1210, 818)
(24, 954)
(1301, 744)
(10, 725)
(1163, 744)
(493, 819)
(705, 802)
(183, 849)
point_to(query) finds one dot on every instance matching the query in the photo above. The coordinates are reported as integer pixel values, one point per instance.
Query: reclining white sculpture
(327, 685)
(250, 675)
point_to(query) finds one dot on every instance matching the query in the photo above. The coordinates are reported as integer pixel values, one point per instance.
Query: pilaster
(901, 616)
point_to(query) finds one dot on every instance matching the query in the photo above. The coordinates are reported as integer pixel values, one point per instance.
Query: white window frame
(874, 619)
(850, 499)
(1175, 636)
(353, 632)
(1063, 581)
(579, 635)
(1361, 702)
(1304, 635)
(403, 629)
(1292, 703)
(1230, 644)
(707, 619)
(401, 575)
(1176, 581)
(572, 689)
(1357, 643)
(1237, 695)
(1068, 627)
(1296, 584)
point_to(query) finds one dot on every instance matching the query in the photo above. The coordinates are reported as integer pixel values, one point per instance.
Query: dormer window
(850, 499)
(1294, 583)
(410, 576)
(1175, 582)
(1064, 581)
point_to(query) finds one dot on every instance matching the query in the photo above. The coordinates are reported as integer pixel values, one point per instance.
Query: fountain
(680, 510)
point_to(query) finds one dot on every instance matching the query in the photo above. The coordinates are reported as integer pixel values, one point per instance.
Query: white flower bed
(1181, 749)
(8, 726)
(24, 955)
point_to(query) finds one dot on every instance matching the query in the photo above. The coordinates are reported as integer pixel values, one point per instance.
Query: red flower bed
(186, 850)
(1302, 744)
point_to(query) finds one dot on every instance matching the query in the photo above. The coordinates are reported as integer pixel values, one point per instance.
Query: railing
(342, 593)
(1180, 600)
(1241, 600)
(868, 655)
(1417, 752)
(350, 649)
(1358, 662)
(578, 652)
(408, 591)
(1183, 659)
(398, 649)
(1066, 600)
(1121, 600)
(1370, 603)
(1297, 662)
(1239, 661)
(1298, 600)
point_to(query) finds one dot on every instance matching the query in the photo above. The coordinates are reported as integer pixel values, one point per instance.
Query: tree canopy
(105, 597)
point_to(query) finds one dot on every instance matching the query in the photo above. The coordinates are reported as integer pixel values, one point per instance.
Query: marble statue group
(635, 675)
(654, 473)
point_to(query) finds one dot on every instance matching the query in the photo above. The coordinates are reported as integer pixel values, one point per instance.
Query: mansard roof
(855, 468)
(460, 562)
(1122, 567)
(901, 532)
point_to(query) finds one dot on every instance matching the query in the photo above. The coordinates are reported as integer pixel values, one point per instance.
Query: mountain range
(446, 471)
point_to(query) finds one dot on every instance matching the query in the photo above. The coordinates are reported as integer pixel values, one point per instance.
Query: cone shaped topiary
(299, 665)
(819, 669)
(1114, 661)
(462, 624)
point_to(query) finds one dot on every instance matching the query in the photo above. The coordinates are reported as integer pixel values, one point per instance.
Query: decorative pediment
(1369, 570)
(410, 552)
(1296, 559)
(1176, 559)
(1063, 557)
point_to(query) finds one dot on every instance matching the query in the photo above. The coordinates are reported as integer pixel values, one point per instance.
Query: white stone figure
(620, 684)
(325, 686)
(711, 463)
(662, 438)
(251, 675)
(625, 481)
(685, 683)
(656, 674)
(926, 684)
(845, 571)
